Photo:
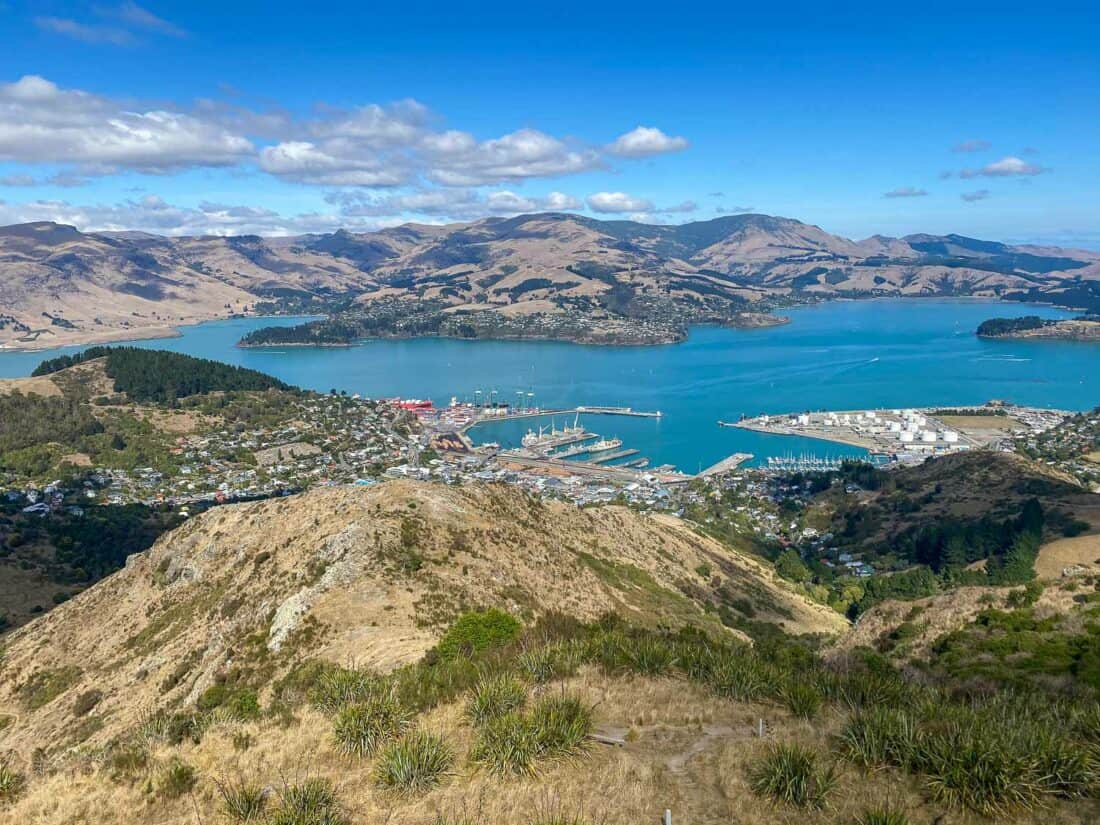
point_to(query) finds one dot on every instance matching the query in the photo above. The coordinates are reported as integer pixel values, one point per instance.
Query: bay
(836, 355)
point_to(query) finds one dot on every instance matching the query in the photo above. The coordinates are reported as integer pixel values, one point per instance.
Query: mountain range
(59, 285)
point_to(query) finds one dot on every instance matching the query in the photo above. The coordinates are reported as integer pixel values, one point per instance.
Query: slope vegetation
(352, 574)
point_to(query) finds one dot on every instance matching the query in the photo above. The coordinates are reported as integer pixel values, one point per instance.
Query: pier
(725, 465)
(604, 458)
(629, 412)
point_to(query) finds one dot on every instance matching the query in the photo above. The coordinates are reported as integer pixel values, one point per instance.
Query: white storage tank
(950, 436)
(905, 437)
(928, 436)
(895, 426)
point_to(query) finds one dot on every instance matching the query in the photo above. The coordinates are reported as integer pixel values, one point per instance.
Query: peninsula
(1032, 327)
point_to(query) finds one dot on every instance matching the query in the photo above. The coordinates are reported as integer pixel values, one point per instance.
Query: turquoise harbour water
(837, 355)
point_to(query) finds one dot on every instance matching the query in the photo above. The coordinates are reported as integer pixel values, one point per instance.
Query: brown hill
(370, 576)
(59, 285)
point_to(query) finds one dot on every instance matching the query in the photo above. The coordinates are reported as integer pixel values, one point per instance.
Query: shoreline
(122, 336)
(119, 336)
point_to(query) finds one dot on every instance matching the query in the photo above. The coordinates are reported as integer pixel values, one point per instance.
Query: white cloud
(85, 32)
(1004, 168)
(644, 141)
(456, 159)
(388, 145)
(684, 206)
(976, 195)
(304, 162)
(134, 15)
(617, 202)
(118, 28)
(18, 180)
(42, 123)
(370, 146)
(451, 204)
(905, 192)
(153, 214)
(969, 146)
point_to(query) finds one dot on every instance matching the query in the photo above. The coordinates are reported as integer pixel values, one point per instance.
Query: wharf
(549, 442)
(580, 449)
(619, 411)
(564, 411)
(604, 458)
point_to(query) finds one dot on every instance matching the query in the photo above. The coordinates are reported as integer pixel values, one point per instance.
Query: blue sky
(183, 117)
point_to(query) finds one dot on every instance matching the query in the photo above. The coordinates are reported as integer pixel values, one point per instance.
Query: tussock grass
(792, 774)
(495, 696)
(507, 744)
(991, 759)
(546, 662)
(242, 801)
(126, 760)
(514, 743)
(336, 688)
(362, 728)
(802, 699)
(176, 779)
(414, 764)
(12, 782)
(311, 802)
(882, 816)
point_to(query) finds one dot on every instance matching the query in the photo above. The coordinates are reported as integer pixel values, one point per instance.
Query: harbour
(715, 375)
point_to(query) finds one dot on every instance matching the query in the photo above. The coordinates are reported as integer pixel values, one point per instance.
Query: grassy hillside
(423, 654)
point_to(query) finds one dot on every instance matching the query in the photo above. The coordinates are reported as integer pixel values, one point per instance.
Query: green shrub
(423, 686)
(176, 779)
(495, 696)
(364, 727)
(312, 802)
(46, 685)
(414, 764)
(791, 774)
(12, 782)
(242, 801)
(238, 702)
(477, 631)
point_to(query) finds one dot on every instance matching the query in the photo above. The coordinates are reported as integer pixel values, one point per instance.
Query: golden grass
(1080, 551)
(979, 422)
(686, 751)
